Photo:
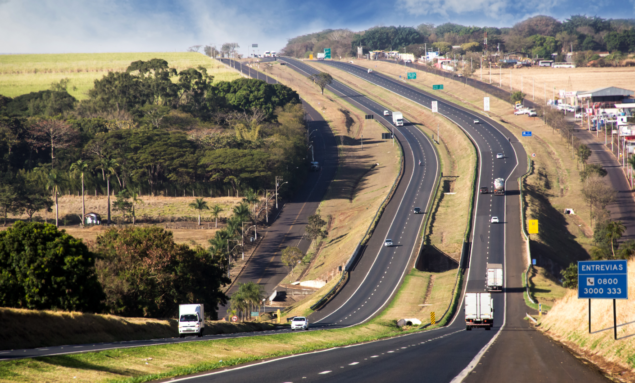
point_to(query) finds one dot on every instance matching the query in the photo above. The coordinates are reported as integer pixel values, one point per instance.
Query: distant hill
(538, 37)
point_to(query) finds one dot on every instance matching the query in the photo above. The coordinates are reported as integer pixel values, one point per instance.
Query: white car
(388, 243)
(578, 115)
(494, 219)
(499, 156)
(520, 111)
(532, 113)
(519, 106)
(386, 113)
(477, 122)
(299, 323)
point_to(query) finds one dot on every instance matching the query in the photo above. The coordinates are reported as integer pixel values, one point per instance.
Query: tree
(44, 268)
(199, 205)
(80, 167)
(51, 181)
(291, 256)
(51, 134)
(8, 199)
(248, 296)
(614, 231)
(107, 167)
(597, 193)
(251, 197)
(241, 212)
(593, 169)
(583, 154)
(322, 80)
(145, 273)
(517, 96)
(442, 47)
(122, 203)
(216, 210)
(315, 227)
(570, 276)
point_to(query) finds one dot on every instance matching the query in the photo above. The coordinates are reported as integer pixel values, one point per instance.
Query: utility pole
(500, 76)
(510, 79)
(533, 89)
(481, 68)
(242, 238)
(278, 179)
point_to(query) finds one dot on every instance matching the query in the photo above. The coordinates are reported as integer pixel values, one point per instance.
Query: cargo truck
(397, 118)
(479, 310)
(494, 277)
(191, 320)
(499, 186)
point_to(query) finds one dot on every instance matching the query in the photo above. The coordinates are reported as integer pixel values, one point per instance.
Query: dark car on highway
(484, 190)
(417, 210)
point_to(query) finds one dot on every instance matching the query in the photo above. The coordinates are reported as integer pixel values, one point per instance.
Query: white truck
(494, 277)
(320, 56)
(191, 320)
(397, 118)
(479, 310)
(499, 186)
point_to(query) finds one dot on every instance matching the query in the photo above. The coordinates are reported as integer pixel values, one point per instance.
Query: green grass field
(22, 74)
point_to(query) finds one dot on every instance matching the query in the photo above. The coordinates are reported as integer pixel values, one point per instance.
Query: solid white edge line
(532, 318)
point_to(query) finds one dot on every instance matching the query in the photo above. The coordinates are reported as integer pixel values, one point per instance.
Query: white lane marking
(352, 364)
(325, 372)
(375, 356)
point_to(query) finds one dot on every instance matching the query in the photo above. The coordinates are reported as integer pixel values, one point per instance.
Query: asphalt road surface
(265, 266)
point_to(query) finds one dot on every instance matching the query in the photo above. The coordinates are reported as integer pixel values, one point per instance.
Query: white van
(191, 320)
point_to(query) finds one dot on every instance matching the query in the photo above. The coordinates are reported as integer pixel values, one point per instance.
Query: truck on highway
(494, 277)
(397, 118)
(499, 186)
(191, 319)
(479, 310)
(320, 56)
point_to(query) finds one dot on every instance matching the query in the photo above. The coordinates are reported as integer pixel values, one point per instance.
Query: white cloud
(506, 10)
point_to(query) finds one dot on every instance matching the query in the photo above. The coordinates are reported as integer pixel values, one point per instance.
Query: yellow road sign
(311, 56)
(432, 318)
(532, 226)
(278, 315)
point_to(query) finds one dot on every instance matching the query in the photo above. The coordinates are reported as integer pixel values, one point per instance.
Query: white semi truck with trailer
(479, 310)
(499, 186)
(397, 118)
(494, 277)
(191, 319)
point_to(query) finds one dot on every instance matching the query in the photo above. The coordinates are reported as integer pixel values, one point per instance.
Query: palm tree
(107, 167)
(199, 205)
(233, 227)
(614, 231)
(80, 167)
(216, 210)
(134, 196)
(241, 212)
(51, 182)
(251, 197)
(252, 293)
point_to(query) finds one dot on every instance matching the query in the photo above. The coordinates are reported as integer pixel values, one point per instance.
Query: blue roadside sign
(526, 134)
(602, 280)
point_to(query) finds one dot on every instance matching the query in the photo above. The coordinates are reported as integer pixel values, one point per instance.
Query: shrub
(44, 268)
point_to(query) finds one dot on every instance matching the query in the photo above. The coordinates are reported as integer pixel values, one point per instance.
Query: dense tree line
(128, 272)
(154, 130)
(538, 36)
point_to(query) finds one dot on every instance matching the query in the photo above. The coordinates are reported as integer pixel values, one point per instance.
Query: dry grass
(21, 74)
(568, 322)
(41, 328)
(422, 293)
(539, 82)
(358, 189)
(553, 186)
(457, 156)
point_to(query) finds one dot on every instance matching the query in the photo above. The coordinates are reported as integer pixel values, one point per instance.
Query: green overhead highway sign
(437, 87)
(412, 75)
(327, 53)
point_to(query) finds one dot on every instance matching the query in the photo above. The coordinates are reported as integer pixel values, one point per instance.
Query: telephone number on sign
(607, 281)
(610, 291)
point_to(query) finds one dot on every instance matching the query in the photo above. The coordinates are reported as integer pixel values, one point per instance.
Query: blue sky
(56, 26)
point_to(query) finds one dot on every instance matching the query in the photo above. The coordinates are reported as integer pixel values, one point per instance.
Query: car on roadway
(477, 122)
(520, 111)
(578, 115)
(388, 242)
(386, 113)
(416, 210)
(494, 219)
(315, 166)
(299, 323)
(484, 190)
(499, 156)
(532, 113)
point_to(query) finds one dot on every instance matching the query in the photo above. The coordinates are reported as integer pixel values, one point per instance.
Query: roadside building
(605, 98)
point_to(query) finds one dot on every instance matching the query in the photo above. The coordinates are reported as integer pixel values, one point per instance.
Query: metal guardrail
(371, 227)
(524, 224)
